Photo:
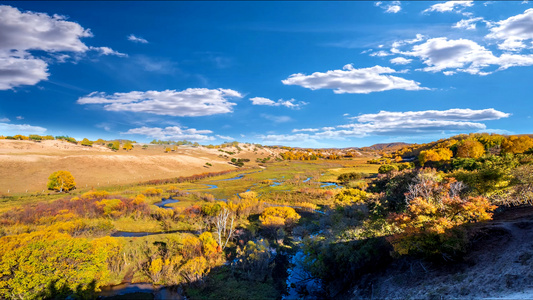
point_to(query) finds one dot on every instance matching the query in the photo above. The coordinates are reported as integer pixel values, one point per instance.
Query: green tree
(61, 181)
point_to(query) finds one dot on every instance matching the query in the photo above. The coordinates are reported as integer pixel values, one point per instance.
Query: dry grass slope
(26, 165)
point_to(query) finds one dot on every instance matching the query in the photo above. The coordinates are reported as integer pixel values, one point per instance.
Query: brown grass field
(26, 165)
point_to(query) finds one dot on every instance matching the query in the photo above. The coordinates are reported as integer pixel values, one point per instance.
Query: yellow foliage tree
(440, 154)
(209, 244)
(432, 215)
(127, 146)
(517, 144)
(470, 148)
(61, 181)
(350, 196)
(279, 216)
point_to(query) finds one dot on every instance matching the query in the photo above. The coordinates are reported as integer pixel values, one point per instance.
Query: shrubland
(422, 204)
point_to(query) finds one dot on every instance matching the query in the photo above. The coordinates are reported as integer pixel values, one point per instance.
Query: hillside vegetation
(452, 218)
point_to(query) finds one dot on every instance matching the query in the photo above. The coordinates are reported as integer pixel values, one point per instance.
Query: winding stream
(295, 282)
(164, 202)
(144, 289)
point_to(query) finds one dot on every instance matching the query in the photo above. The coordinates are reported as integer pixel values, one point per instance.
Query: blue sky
(308, 74)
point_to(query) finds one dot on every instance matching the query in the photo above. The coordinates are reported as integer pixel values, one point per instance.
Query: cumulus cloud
(136, 39)
(287, 103)
(513, 31)
(354, 81)
(401, 61)
(417, 122)
(463, 55)
(4, 120)
(392, 7)
(449, 6)
(24, 32)
(457, 114)
(7, 128)
(15, 71)
(190, 102)
(172, 133)
(398, 123)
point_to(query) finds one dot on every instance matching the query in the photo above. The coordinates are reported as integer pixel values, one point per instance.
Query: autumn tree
(517, 144)
(100, 142)
(440, 154)
(429, 227)
(470, 148)
(127, 146)
(384, 169)
(86, 142)
(115, 145)
(277, 217)
(61, 181)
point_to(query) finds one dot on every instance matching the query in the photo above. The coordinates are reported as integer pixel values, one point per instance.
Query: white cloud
(398, 124)
(513, 31)
(462, 55)
(4, 120)
(306, 130)
(449, 6)
(39, 31)
(456, 114)
(24, 32)
(468, 24)
(19, 117)
(172, 133)
(190, 102)
(354, 81)
(392, 7)
(21, 71)
(380, 54)
(287, 103)
(6, 128)
(417, 122)
(136, 39)
(401, 61)
(418, 38)
(277, 119)
(107, 51)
